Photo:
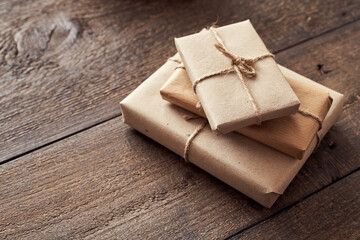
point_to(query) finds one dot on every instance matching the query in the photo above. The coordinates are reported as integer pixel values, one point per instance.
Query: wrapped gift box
(229, 102)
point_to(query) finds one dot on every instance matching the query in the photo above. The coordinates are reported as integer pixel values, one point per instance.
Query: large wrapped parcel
(232, 100)
(291, 134)
(256, 170)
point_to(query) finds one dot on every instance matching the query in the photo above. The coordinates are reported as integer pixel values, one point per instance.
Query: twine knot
(245, 65)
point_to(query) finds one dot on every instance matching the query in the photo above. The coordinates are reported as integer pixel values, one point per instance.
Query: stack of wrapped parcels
(224, 105)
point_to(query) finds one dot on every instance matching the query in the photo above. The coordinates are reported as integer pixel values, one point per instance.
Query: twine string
(191, 138)
(316, 118)
(313, 116)
(174, 60)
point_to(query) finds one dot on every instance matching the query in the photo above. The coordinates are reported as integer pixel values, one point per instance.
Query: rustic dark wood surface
(71, 169)
(329, 206)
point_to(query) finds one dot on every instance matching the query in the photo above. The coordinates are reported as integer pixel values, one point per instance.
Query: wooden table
(70, 169)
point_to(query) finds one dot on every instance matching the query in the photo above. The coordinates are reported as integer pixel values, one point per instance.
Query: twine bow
(245, 65)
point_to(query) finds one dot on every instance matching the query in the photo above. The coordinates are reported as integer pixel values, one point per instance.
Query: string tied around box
(193, 135)
(306, 113)
(203, 124)
(240, 65)
(198, 129)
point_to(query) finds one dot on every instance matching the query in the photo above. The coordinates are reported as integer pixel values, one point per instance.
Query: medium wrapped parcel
(291, 134)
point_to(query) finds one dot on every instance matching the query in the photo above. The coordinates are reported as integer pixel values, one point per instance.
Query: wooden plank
(330, 214)
(65, 65)
(121, 183)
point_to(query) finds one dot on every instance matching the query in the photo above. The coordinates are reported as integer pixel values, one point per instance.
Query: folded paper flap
(232, 158)
(176, 59)
(312, 100)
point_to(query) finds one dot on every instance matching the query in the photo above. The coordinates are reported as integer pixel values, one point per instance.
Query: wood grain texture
(331, 214)
(324, 61)
(112, 182)
(65, 65)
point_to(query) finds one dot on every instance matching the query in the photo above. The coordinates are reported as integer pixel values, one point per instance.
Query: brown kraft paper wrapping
(291, 134)
(223, 97)
(252, 168)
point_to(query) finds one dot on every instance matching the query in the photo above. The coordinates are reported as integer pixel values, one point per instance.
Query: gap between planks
(60, 139)
(313, 37)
